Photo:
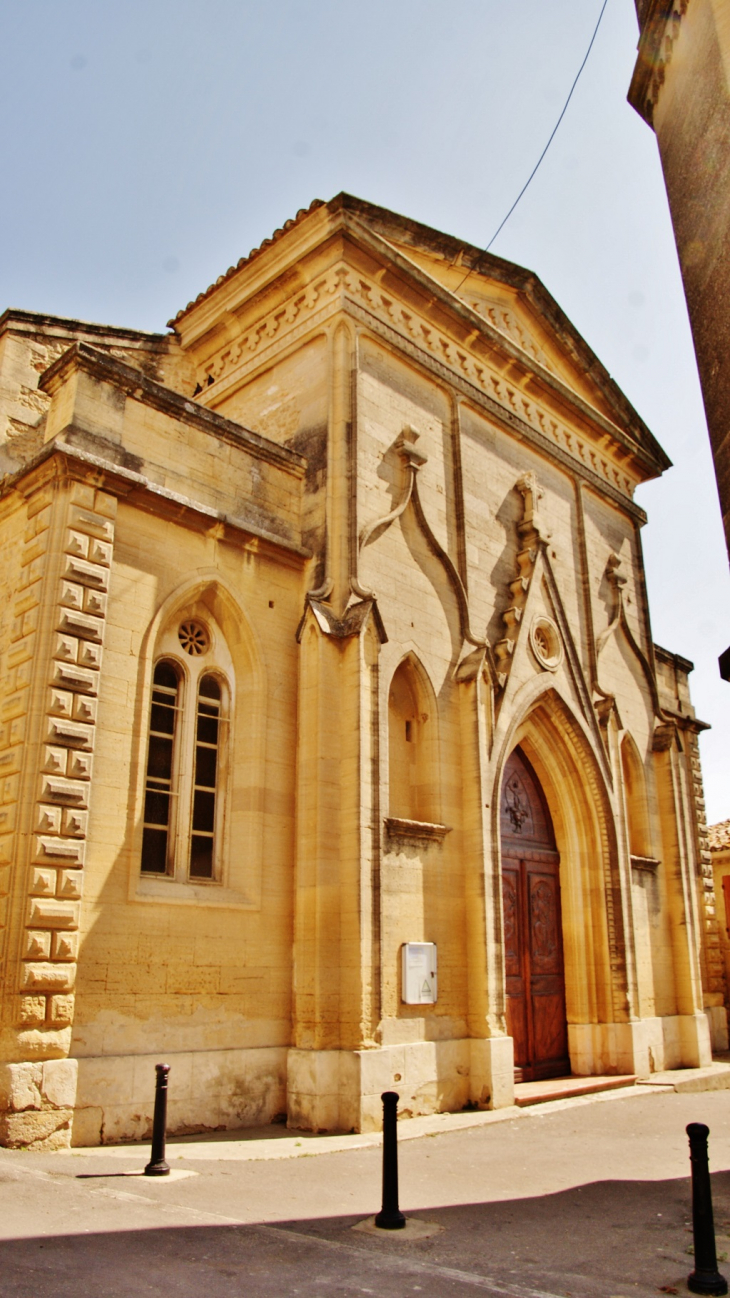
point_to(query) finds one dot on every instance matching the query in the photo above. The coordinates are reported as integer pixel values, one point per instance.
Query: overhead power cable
(552, 136)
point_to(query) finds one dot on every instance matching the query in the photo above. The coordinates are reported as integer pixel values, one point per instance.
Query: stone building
(719, 844)
(681, 88)
(335, 752)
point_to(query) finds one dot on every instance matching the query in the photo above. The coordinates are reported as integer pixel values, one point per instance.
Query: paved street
(586, 1197)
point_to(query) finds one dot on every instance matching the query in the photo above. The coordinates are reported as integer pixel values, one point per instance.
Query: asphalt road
(588, 1198)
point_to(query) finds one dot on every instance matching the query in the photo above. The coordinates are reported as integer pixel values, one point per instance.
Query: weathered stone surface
(310, 569)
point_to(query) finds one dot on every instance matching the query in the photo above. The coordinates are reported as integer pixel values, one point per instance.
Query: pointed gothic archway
(533, 941)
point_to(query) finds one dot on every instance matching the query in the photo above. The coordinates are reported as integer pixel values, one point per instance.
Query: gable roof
(402, 234)
(719, 836)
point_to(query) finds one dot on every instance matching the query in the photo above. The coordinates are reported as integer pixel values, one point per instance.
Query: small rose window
(194, 638)
(545, 642)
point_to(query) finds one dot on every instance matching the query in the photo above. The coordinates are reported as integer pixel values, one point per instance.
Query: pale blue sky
(148, 144)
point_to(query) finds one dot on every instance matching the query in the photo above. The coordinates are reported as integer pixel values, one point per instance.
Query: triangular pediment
(543, 645)
(489, 321)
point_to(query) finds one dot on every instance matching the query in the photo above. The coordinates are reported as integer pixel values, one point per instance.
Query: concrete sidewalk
(586, 1196)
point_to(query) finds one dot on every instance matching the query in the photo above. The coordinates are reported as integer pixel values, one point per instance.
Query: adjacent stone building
(719, 844)
(335, 752)
(681, 87)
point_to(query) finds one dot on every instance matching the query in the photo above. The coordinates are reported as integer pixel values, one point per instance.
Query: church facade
(335, 752)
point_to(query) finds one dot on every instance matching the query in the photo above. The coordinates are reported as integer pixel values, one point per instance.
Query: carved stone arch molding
(413, 460)
(411, 774)
(617, 581)
(194, 590)
(562, 753)
(208, 599)
(536, 616)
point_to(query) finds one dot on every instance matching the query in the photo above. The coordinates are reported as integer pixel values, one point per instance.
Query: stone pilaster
(56, 657)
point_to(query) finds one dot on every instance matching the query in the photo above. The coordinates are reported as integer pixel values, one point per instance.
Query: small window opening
(159, 795)
(207, 746)
(409, 733)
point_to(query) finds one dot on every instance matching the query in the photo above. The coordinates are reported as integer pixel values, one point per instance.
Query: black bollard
(705, 1278)
(390, 1216)
(157, 1165)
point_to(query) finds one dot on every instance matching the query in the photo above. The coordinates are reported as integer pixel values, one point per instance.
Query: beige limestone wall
(178, 966)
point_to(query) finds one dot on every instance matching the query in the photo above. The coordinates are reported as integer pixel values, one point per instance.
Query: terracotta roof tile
(719, 836)
(244, 261)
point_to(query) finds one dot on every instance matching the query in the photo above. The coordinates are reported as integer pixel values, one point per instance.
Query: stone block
(46, 1132)
(52, 912)
(61, 1010)
(103, 1081)
(32, 1009)
(491, 1079)
(58, 1086)
(717, 1023)
(20, 1086)
(87, 1128)
(47, 977)
(69, 883)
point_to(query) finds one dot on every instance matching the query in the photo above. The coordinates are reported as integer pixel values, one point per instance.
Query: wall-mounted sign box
(419, 973)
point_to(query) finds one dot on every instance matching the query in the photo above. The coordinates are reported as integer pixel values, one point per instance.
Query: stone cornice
(56, 460)
(34, 322)
(474, 322)
(342, 289)
(660, 23)
(553, 443)
(280, 274)
(129, 380)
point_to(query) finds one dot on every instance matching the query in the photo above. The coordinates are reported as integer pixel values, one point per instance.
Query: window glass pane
(154, 851)
(204, 810)
(156, 808)
(159, 762)
(207, 729)
(210, 688)
(201, 857)
(162, 718)
(206, 761)
(166, 674)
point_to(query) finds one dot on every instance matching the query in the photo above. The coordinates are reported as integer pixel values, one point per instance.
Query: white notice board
(419, 973)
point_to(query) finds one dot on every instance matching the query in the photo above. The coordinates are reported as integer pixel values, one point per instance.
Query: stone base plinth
(340, 1090)
(641, 1047)
(208, 1090)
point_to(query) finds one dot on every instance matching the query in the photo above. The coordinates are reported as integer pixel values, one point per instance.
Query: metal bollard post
(157, 1165)
(390, 1216)
(705, 1278)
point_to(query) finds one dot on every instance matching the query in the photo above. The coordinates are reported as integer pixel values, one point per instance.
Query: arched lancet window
(412, 771)
(187, 756)
(208, 738)
(637, 807)
(159, 803)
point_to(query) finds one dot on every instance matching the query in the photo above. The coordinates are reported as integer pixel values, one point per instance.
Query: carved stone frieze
(312, 307)
(656, 47)
(531, 530)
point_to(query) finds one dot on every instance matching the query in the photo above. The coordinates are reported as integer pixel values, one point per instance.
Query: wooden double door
(533, 939)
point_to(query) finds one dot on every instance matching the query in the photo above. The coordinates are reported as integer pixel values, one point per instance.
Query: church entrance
(533, 938)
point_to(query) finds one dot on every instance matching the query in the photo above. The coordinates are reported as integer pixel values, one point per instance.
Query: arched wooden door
(533, 938)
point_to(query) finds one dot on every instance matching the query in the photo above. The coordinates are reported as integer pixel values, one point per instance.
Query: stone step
(563, 1088)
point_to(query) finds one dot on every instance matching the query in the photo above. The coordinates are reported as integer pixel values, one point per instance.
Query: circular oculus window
(545, 642)
(194, 638)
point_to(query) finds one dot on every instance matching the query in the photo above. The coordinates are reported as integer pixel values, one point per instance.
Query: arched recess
(413, 748)
(635, 799)
(235, 659)
(560, 753)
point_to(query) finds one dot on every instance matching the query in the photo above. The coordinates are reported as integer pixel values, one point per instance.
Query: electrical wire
(547, 146)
